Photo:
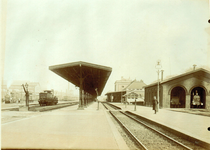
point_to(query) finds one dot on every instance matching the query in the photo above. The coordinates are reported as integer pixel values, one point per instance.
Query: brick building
(180, 91)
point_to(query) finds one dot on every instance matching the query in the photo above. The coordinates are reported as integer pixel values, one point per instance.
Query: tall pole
(158, 67)
(97, 98)
(80, 90)
(158, 99)
(135, 105)
(126, 101)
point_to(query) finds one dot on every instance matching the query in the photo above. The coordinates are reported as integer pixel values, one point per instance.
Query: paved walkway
(193, 125)
(66, 128)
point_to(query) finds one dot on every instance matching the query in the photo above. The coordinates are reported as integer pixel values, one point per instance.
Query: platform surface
(66, 128)
(193, 125)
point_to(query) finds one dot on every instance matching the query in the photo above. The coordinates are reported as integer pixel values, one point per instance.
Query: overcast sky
(127, 35)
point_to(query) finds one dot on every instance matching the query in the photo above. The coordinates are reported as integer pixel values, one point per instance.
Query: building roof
(135, 85)
(93, 75)
(198, 72)
(115, 92)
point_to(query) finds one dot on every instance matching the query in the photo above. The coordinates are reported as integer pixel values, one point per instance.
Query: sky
(129, 36)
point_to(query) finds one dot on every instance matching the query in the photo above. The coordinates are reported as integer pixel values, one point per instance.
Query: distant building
(121, 84)
(115, 96)
(188, 90)
(135, 90)
(15, 90)
(125, 89)
(68, 95)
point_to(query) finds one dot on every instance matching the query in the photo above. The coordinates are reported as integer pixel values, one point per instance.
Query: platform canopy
(85, 75)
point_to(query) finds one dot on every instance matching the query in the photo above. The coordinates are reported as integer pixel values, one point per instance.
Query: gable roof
(199, 71)
(135, 85)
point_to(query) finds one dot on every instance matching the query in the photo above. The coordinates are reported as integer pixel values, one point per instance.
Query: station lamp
(158, 67)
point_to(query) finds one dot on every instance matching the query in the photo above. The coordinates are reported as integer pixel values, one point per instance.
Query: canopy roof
(93, 76)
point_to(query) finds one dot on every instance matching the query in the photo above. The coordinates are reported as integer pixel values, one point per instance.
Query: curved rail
(139, 143)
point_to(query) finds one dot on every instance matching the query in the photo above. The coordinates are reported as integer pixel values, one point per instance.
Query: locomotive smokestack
(162, 75)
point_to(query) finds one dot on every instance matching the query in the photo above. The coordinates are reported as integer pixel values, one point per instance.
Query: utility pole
(158, 67)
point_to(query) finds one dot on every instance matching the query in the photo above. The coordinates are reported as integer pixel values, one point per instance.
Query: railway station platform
(195, 126)
(65, 128)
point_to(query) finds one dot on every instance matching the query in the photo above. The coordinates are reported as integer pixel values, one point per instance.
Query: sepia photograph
(105, 74)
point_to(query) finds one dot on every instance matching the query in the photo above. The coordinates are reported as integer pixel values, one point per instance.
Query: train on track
(47, 98)
(7, 98)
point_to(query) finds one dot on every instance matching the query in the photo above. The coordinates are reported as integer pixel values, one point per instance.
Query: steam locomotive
(7, 98)
(47, 98)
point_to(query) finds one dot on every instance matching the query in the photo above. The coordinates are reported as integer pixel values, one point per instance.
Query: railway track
(37, 107)
(148, 136)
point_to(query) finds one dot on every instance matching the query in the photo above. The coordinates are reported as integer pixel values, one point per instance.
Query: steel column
(80, 90)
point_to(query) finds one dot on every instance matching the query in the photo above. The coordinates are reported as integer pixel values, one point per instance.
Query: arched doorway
(178, 96)
(198, 98)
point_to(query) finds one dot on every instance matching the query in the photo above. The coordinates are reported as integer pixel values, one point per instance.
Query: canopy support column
(81, 97)
(85, 99)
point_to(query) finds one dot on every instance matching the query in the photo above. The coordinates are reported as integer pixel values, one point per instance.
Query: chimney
(194, 66)
(162, 75)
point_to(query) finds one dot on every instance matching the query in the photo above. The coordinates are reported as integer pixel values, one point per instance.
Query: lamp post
(126, 101)
(136, 96)
(158, 67)
(27, 95)
(135, 105)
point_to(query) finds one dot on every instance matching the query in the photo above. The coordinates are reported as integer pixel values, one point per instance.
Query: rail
(139, 143)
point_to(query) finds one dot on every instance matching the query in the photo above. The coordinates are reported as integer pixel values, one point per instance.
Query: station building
(121, 84)
(135, 92)
(127, 90)
(181, 91)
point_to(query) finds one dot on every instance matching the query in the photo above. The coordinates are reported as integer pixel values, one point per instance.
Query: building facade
(135, 90)
(121, 84)
(125, 89)
(116, 96)
(15, 92)
(188, 90)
